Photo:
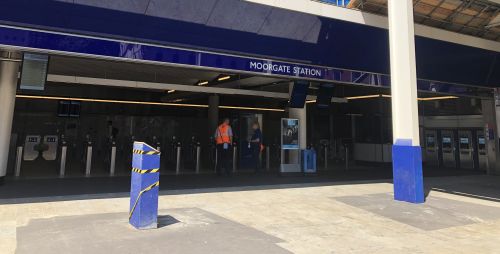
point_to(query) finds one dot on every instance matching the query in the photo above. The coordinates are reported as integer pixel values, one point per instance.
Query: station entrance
(85, 120)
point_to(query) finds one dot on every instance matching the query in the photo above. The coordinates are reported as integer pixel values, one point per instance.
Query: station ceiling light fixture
(223, 78)
(171, 91)
(203, 83)
(389, 96)
(36, 97)
(364, 97)
(438, 98)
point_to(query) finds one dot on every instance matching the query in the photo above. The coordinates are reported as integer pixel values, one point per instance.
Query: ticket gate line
(198, 154)
(34, 146)
(346, 158)
(326, 156)
(235, 157)
(62, 165)
(216, 160)
(268, 158)
(112, 162)
(88, 161)
(178, 160)
(19, 159)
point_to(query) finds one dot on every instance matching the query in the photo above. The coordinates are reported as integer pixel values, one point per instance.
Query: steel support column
(213, 114)
(8, 86)
(407, 157)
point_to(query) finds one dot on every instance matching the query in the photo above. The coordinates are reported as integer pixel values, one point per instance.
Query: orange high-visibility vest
(222, 135)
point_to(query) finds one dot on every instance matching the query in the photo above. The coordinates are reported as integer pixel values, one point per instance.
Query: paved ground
(461, 215)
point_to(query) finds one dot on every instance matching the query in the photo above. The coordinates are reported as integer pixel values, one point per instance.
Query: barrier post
(62, 165)
(178, 159)
(235, 158)
(268, 158)
(198, 158)
(19, 160)
(112, 162)
(144, 186)
(88, 159)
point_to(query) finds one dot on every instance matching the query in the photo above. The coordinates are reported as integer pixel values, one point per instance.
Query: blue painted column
(406, 151)
(143, 213)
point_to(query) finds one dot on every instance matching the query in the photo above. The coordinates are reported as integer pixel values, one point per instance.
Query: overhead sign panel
(34, 71)
(128, 51)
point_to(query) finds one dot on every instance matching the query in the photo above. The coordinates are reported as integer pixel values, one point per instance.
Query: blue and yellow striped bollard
(143, 213)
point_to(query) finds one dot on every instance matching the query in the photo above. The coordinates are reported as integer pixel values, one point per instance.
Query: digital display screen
(446, 141)
(34, 71)
(481, 141)
(464, 143)
(69, 109)
(290, 133)
(430, 141)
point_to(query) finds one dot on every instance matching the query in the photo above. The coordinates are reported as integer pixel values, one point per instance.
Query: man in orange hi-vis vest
(223, 139)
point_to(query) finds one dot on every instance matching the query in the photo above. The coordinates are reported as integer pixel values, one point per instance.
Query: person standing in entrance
(256, 145)
(223, 139)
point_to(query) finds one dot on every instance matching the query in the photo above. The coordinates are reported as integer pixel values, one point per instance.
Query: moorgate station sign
(285, 69)
(29, 40)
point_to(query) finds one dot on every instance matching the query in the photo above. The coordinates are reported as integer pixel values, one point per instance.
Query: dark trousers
(256, 156)
(223, 159)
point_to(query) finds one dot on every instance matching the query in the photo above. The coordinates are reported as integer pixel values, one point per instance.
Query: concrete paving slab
(436, 213)
(302, 218)
(183, 230)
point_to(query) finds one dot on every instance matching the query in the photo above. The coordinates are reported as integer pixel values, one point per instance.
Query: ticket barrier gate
(110, 156)
(466, 149)
(268, 157)
(324, 148)
(482, 153)
(193, 153)
(64, 156)
(198, 157)
(448, 148)
(431, 153)
(178, 150)
(47, 147)
(87, 155)
(172, 155)
(235, 156)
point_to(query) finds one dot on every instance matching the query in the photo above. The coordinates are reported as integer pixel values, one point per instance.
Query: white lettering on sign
(285, 69)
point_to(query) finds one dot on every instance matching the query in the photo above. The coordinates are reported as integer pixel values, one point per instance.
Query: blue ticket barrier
(144, 186)
(309, 161)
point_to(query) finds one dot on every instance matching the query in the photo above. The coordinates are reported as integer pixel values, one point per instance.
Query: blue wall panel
(335, 43)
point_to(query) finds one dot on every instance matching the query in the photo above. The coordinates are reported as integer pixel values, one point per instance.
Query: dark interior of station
(104, 112)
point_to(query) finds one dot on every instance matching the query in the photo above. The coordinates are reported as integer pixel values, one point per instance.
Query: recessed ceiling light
(223, 78)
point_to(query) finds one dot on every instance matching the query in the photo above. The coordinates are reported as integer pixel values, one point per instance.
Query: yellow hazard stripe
(146, 171)
(150, 187)
(136, 151)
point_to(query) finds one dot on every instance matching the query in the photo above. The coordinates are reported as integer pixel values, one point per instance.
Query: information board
(34, 71)
(290, 134)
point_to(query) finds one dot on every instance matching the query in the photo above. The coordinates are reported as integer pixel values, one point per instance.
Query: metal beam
(177, 87)
(374, 20)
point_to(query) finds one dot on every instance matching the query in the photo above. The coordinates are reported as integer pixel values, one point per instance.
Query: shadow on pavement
(16, 191)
